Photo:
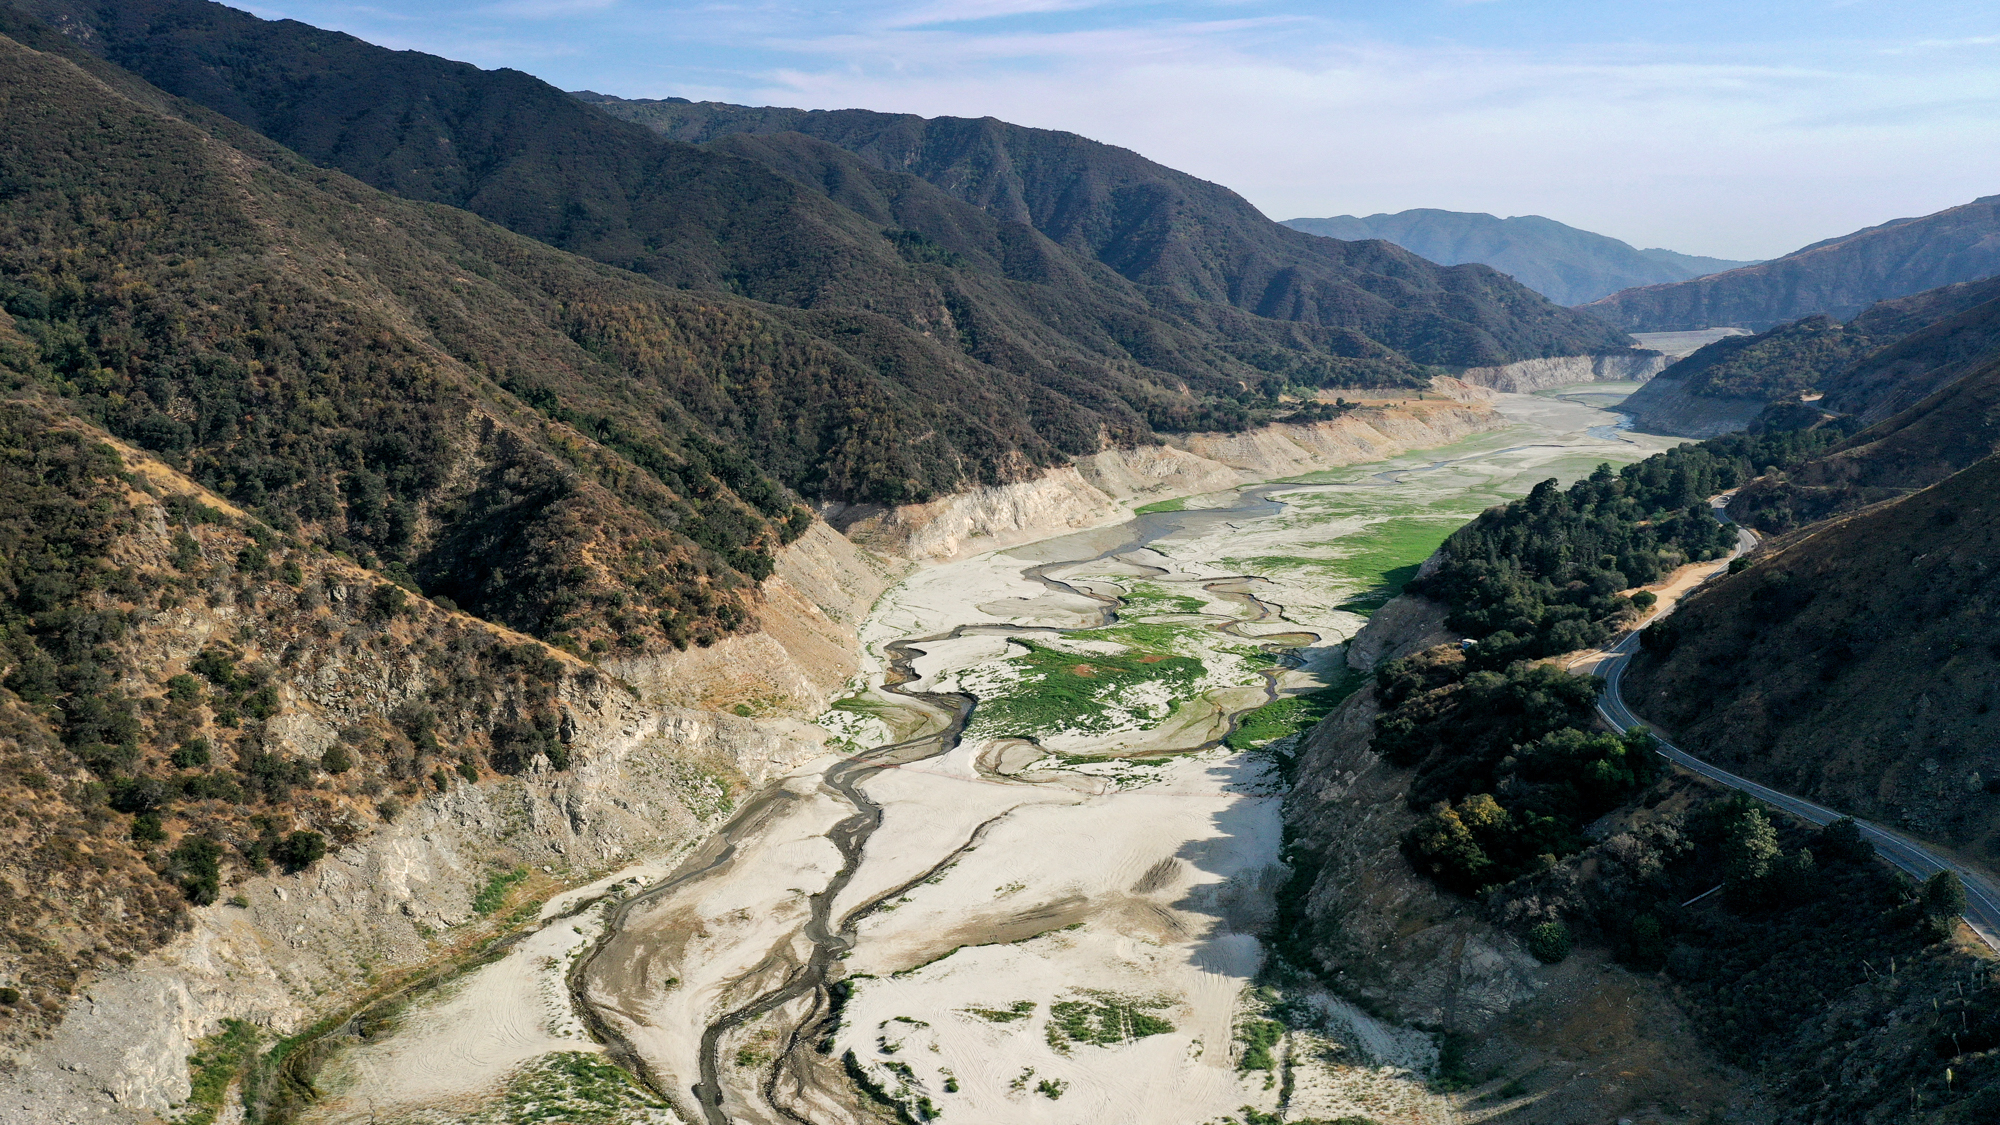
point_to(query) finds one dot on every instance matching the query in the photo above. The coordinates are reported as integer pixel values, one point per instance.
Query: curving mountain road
(1982, 897)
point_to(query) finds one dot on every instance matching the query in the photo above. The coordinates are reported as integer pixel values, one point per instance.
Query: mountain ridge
(1153, 225)
(1836, 277)
(1566, 264)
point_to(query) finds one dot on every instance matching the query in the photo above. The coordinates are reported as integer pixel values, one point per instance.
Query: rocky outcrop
(1406, 624)
(1373, 924)
(1667, 406)
(1530, 375)
(1088, 492)
(805, 648)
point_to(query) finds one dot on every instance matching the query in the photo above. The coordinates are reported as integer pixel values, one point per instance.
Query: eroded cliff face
(296, 947)
(1531, 375)
(1666, 406)
(805, 648)
(1088, 493)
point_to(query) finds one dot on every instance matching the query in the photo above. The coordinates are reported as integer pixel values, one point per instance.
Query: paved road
(1982, 896)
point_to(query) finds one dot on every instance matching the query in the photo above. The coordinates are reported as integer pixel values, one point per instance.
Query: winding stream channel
(1033, 883)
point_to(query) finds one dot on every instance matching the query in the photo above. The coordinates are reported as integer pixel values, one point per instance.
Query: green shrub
(299, 850)
(194, 752)
(196, 864)
(1550, 942)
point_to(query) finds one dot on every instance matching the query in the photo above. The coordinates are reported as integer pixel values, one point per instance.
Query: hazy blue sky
(1740, 129)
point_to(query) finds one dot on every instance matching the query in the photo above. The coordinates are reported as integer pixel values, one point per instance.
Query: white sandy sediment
(1115, 862)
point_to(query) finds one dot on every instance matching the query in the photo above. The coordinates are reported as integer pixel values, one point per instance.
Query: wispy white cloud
(547, 9)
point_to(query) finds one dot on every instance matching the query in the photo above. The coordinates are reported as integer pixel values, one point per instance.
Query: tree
(300, 850)
(1944, 895)
(1749, 844)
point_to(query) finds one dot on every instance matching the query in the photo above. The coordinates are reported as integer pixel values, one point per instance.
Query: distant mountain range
(1566, 265)
(1837, 277)
(1154, 226)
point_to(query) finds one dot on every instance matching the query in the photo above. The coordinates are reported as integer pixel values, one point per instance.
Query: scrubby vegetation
(1104, 1019)
(1543, 575)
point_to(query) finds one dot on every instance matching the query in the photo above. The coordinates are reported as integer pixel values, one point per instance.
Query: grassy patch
(861, 705)
(1104, 1019)
(1288, 715)
(1070, 691)
(1145, 597)
(1177, 504)
(493, 895)
(1377, 561)
(216, 1063)
(1258, 1036)
(574, 1088)
(1018, 1010)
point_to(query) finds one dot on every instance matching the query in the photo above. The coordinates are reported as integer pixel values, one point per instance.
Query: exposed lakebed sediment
(1034, 882)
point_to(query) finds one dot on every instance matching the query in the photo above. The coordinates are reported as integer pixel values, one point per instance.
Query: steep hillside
(191, 697)
(1838, 277)
(1564, 264)
(1890, 356)
(1162, 228)
(523, 154)
(1949, 431)
(1853, 664)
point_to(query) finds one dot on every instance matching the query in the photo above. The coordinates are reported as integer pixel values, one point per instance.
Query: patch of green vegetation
(1060, 690)
(1377, 561)
(1146, 597)
(573, 1088)
(1288, 715)
(1051, 1088)
(1177, 504)
(861, 705)
(1254, 1116)
(217, 1062)
(1258, 1036)
(1104, 1019)
(1018, 1010)
(493, 895)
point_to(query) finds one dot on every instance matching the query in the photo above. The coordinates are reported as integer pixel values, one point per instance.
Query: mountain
(1854, 666)
(1890, 356)
(521, 153)
(1837, 277)
(1164, 229)
(1564, 264)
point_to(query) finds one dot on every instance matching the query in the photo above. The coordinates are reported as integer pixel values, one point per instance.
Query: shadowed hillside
(1890, 356)
(1855, 665)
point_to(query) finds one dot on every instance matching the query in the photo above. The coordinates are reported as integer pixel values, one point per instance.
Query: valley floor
(1052, 913)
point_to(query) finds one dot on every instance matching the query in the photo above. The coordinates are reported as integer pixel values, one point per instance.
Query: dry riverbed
(1033, 881)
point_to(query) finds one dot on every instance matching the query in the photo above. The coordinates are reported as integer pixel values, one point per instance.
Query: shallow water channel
(1032, 884)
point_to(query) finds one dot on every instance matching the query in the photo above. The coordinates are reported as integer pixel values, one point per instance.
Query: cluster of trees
(1505, 766)
(1543, 575)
